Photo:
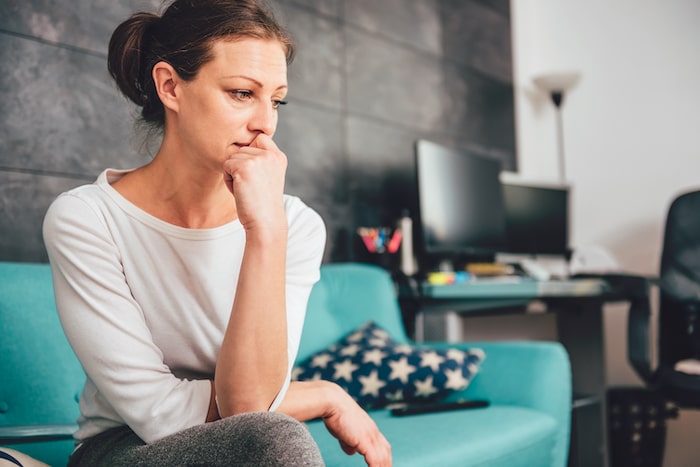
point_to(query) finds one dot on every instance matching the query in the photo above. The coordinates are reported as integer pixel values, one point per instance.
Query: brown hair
(182, 37)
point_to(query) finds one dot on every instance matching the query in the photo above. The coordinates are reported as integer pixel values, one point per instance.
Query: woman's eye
(276, 103)
(241, 95)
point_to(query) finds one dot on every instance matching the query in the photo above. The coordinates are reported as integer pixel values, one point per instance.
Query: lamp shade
(557, 82)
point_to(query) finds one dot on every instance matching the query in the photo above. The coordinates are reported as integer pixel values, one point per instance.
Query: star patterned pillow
(376, 371)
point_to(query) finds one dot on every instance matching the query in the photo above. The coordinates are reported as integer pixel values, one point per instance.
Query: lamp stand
(556, 84)
(558, 99)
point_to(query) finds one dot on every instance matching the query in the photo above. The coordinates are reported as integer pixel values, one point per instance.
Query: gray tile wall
(370, 78)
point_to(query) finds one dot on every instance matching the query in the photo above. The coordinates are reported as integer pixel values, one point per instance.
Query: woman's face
(233, 98)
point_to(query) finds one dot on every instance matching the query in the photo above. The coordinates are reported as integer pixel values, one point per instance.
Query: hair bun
(127, 55)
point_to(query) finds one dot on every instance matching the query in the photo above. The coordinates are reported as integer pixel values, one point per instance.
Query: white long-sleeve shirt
(145, 304)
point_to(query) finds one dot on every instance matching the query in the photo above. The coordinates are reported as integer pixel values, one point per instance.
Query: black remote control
(420, 408)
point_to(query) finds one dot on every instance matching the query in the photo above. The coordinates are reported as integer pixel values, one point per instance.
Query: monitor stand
(446, 265)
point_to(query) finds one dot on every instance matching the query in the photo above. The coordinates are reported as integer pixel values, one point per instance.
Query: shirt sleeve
(107, 330)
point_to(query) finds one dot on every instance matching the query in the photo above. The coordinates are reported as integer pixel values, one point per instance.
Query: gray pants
(252, 439)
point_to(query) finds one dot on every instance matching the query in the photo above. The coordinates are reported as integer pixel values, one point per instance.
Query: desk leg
(445, 326)
(419, 327)
(580, 328)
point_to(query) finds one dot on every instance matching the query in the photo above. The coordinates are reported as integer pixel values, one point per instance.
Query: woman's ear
(166, 81)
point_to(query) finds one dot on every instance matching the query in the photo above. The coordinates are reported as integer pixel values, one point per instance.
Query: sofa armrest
(527, 374)
(34, 433)
(533, 374)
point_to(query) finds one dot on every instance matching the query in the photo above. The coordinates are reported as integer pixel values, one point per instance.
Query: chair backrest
(679, 321)
(40, 377)
(347, 296)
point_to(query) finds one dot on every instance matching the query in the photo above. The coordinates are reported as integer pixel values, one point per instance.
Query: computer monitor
(460, 205)
(537, 218)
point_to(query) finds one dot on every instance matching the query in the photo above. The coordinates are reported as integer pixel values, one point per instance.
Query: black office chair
(679, 309)
(637, 416)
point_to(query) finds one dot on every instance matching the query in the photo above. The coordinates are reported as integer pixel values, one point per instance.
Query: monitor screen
(460, 202)
(537, 218)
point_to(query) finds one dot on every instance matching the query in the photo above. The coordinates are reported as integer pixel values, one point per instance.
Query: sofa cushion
(497, 436)
(377, 371)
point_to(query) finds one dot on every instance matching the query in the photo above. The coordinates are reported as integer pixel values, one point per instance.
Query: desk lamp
(556, 85)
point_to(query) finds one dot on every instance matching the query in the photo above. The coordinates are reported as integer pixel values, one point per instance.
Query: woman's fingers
(255, 175)
(358, 433)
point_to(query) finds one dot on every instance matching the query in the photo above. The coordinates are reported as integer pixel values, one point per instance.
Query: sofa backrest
(347, 296)
(41, 377)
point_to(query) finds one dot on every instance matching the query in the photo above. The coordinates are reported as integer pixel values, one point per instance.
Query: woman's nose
(264, 119)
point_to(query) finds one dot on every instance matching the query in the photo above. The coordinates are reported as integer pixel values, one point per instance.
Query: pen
(367, 238)
(395, 242)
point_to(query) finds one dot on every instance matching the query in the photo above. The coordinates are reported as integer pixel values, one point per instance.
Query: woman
(182, 284)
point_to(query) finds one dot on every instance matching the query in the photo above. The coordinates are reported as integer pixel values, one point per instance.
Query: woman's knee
(277, 439)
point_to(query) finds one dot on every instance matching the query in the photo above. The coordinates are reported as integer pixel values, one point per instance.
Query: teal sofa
(528, 384)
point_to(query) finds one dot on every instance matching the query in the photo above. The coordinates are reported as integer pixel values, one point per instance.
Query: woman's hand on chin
(255, 175)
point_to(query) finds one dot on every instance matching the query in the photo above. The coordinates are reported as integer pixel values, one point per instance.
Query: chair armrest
(635, 289)
(35, 433)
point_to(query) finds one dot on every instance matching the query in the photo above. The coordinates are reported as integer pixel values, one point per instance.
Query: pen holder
(379, 245)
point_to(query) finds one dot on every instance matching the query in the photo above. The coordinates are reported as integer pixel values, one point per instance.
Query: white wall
(631, 123)
(630, 129)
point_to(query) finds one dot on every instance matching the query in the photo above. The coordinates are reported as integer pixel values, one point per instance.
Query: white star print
(296, 371)
(375, 356)
(371, 384)
(395, 396)
(350, 350)
(401, 370)
(457, 355)
(377, 342)
(425, 388)
(431, 359)
(355, 336)
(316, 377)
(344, 370)
(381, 334)
(407, 349)
(455, 380)
(321, 360)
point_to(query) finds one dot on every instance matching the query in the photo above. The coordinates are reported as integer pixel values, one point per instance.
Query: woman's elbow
(252, 399)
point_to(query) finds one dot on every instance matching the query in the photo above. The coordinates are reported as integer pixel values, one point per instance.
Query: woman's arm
(344, 419)
(107, 328)
(253, 361)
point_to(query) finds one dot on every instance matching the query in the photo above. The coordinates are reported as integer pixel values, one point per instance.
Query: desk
(578, 307)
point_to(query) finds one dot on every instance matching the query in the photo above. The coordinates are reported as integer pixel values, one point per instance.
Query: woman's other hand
(357, 432)
(344, 419)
